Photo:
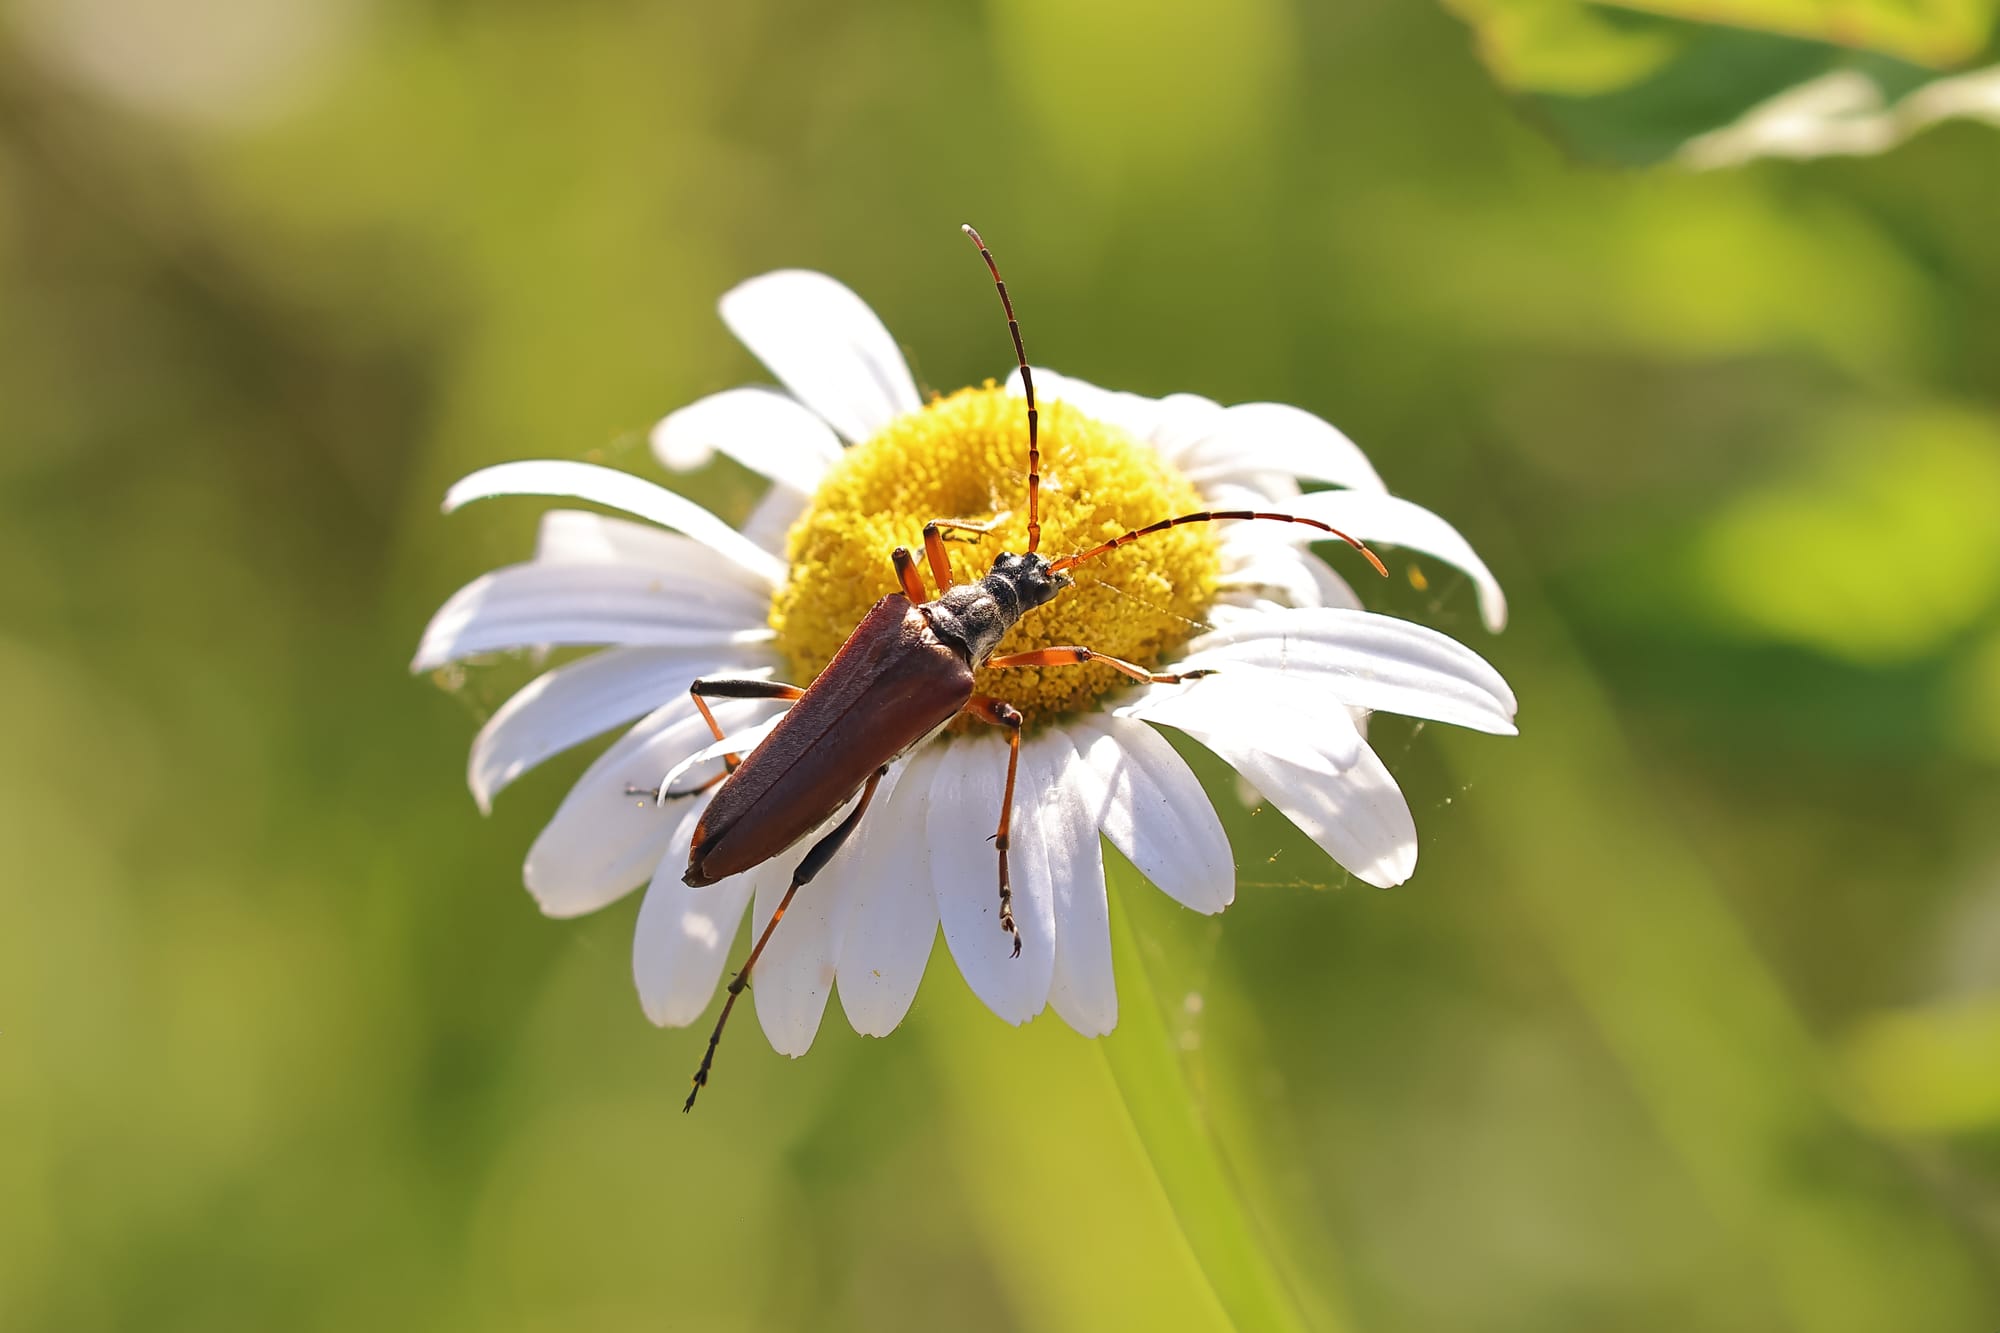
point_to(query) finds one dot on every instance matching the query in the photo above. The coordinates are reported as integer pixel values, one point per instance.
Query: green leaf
(1770, 78)
(1128, 1185)
(1846, 112)
(1930, 32)
(1220, 1198)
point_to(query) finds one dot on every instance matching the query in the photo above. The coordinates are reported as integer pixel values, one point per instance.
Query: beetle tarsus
(1002, 841)
(707, 1057)
(1007, 901)
(737, 985)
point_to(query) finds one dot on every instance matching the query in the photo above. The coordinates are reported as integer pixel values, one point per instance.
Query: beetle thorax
(974, 617)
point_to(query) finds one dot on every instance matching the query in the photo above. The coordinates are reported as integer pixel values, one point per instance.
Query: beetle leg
(1077, 656)
(939, 558)
(717, 689)
(966, 525)
(907, 575)
(705, 689)
(815, 861)
(662, 797)
(999, 714)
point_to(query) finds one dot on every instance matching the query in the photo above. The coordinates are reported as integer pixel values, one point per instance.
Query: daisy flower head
(965, 742)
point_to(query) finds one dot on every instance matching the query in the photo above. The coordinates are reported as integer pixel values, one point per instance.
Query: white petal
(683, 937)
(1262, 491)
(1067, 792)
(579, 537)
(1310, 763)
(602, 843)
(770, 523)
(1294, 723)
(1365, 661)
(1255, 446)
(1233, 608)
(1264, 598)
(795, 974)
(1389, 521)
(892, 917)
(1308, 760)
(1171, 424)
(1358, 815)
(1273, 437)
(533, 606)
(964, 811)
(1334, 591)
(826, 346)
(1137, 416)
(1155, 812)
(1182, 421)
(1273, 567)
(762, 429)
(618, 490)
(572, 703)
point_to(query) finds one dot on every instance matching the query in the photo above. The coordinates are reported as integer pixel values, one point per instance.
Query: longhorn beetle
(904, 673)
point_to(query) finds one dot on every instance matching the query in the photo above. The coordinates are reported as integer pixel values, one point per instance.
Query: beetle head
(1029, 577)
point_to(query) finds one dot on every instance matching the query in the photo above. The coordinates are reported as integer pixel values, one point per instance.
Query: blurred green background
(1691, 1016)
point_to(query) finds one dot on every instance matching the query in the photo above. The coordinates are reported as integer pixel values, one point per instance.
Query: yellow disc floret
(965, 458)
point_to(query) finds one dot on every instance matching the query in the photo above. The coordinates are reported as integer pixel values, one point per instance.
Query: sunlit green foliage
(1638, 81)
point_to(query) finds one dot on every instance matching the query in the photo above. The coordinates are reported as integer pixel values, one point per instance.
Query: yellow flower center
(965, 457)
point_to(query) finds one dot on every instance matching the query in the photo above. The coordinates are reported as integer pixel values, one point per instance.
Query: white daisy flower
(1281, 663)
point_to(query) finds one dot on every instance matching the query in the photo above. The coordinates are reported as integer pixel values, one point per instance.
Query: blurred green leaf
(1935, 32)
(1565, 47)
(1792, 79)
(1846, 112)
(1065, 1196)
(1113, 1131)
(1207, 1194)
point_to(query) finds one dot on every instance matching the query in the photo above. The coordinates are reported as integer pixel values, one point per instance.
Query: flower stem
(1221, 1196)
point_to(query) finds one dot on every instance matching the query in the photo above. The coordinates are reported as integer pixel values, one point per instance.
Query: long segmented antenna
(1027, 384)
(1210, 516)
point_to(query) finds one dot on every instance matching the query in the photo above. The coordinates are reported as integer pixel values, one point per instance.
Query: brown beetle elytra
(904, 673)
